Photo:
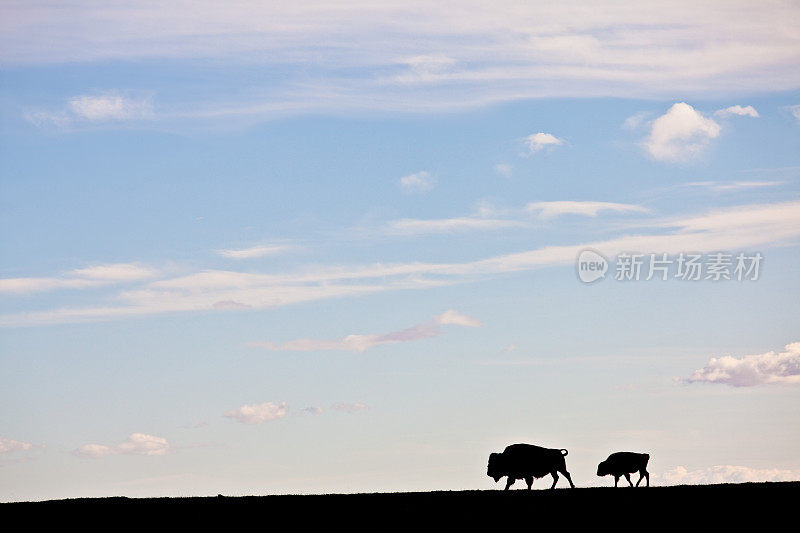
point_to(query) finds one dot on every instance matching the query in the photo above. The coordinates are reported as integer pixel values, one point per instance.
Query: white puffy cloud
(350, 407)
(362, 343)
(418, 182)
(795, 109)
(680, 134)
(742, 111)
(453, 317)
(9, 445)
(724, 474)
(313, 410)
(136, 444)
(750, 370)
(538, 141)
(591, 209)
(257, 414)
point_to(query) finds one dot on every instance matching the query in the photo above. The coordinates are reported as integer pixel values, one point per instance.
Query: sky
(267, 248)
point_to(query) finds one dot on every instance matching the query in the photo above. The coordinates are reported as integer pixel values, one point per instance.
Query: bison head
(495, 468)
(602, 469)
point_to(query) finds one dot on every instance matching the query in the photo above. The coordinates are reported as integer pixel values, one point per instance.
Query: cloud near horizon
(350, 407)
(760, 369)
(257, 414)
(136, 444)
(362, 343)
(10, 445)
(680, 475)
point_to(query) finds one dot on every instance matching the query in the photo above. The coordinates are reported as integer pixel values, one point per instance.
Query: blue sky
(332, 248)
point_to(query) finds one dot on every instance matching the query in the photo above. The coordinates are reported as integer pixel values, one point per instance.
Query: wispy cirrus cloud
(260, 250)
(504, 169)
(745, 227)
(349, 407)
(92, 276)
(721, 186)
(453, 317)
(415, 226)
(418, 182)
(750, 370)
(421, 56)
(136, 444)
(92, 109)
(489, 218)
(795, 110)
(548, 210)
(361, 343)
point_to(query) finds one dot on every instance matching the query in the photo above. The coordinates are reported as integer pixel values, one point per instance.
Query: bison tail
(564, 452)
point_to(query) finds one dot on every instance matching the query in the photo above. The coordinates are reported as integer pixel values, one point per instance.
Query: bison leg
(529, 481)
(643, 474)
(509, 482)
(555, 479)
(628, 477)
(616, 480)
(569, 478)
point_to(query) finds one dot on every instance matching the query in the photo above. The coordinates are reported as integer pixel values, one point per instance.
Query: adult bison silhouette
(526, 461)
(624, 464)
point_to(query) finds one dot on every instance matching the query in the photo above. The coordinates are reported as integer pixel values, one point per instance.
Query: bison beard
(526, 461)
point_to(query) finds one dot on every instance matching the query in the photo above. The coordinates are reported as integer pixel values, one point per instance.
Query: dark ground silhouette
(679, 508)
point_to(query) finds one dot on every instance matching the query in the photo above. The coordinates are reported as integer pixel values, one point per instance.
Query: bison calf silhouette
(526, 461)
(624, 464)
